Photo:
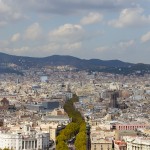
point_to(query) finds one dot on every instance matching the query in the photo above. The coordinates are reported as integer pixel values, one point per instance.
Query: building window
(35, 143)
(26, 144)
(29, 144)
(32, 144)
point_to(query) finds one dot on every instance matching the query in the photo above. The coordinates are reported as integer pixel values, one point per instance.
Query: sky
(101, 29)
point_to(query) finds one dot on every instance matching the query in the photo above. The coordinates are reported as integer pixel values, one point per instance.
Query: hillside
(57, 60)
(112, 66)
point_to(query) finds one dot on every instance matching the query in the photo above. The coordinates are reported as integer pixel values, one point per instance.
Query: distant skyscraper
(113, 100)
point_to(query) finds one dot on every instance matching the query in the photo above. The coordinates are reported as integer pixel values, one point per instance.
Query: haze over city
(112, 29)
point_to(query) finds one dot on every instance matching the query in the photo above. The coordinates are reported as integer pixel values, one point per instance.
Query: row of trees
(76, 128)
(80, 142)
(66, 134)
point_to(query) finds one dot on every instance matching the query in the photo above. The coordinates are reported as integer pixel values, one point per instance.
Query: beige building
(101, 139)
(51, 128)
(101, 144)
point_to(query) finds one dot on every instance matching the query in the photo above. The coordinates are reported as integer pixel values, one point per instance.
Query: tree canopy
(76, 128)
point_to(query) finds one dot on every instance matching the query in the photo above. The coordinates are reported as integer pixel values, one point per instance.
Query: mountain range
(112, 66)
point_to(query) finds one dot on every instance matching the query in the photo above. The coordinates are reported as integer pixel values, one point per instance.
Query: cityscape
(61, 108)
(74, 75)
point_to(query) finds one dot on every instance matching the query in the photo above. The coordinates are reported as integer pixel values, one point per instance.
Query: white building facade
(26, 140)
(137, 143)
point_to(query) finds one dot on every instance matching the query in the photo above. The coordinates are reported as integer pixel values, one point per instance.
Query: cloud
(4, 8)
(102, 48)
(131, 17)
(67, 30)
(73, 6)
(145, 37)
(58, 48)
(4, 43)
(16, 37)
(22, 50)
(33, 32)
(67, 37)
(44, 50)
(67, 33)
(15, 10)
(72, 46)
(117, 48)
(72, 33)
(92, 18)
(62, 40)
(3, 23)
(8, 13)
(126, 44)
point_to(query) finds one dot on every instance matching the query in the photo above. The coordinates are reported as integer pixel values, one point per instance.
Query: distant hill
(57, 60)
(112, 66)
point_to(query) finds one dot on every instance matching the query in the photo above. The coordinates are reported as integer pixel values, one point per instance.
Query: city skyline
(115, 29)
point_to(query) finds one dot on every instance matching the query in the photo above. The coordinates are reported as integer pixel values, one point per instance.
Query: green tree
(80, 142)
(62, 146)
(83, 127)
(76, 127)
(60, 138)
